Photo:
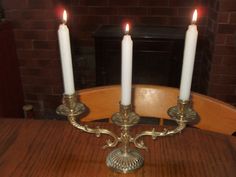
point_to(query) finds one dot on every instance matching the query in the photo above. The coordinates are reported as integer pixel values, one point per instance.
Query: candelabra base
(126, 159)
(124, 162)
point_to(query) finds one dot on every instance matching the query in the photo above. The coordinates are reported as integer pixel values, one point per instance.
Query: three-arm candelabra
(126, 159)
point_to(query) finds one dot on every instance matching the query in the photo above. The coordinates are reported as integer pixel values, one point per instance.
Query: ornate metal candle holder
(126, 159)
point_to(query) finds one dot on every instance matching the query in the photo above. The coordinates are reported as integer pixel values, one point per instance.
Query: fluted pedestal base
(122, 162)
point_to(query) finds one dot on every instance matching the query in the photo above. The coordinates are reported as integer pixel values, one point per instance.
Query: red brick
(223, 17)
(82, 34)
(153, 3)
(220, 38)
(31, 89)
(229, 60)
(132, 11)
(58, 89)
(123, 3)
(30, 71)
(179, 21)
(14, 4)
(27, 63)
(223, 69)
(13, 14)
(233, 18)
(45, 44)
(182, 3)
(153, 20)
(26, 54)
(225, 50)
(40, 4)
(228, 80)
(89, 20)
(31, 96)
(227, 5)
(37, 54)
(217, 60)
(119, 20)
(202, 21)
(212, 14)
(221, 89)
(86, 28)
(36, 81)
(212, 25)
(52, 101)
(53, 64)
(223, 79)
(31, 34)
(52, 35)
(79, 10)
(162, 11)
(226, 29)
(213, 4)
(185, 11)
(93, 2)
(24, 44)
(231, 40)
(36, 25)
(102, 11)
(38, 14)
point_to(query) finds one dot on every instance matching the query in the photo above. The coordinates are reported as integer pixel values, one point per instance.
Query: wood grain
(41, 148)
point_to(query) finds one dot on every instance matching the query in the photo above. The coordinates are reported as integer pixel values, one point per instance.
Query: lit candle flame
(64, 16)
(194, 19)
(127, 28)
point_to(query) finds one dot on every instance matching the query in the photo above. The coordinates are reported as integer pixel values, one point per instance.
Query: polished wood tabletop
(52, 148)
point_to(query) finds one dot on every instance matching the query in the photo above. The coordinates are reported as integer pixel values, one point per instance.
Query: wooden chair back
(154, 101)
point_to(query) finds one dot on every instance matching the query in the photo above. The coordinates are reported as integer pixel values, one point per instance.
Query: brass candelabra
(126, 159)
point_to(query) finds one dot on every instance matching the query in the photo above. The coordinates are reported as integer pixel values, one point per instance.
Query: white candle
(188, 59)
(66, 61)
(126, 71)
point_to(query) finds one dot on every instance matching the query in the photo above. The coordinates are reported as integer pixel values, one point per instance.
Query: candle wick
(126, 32)
(193, 22)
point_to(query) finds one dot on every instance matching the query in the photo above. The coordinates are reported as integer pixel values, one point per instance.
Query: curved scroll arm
(154, 134)
(72, 109)
(97, 131)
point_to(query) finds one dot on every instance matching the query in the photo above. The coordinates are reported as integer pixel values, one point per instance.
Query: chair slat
(154, 101)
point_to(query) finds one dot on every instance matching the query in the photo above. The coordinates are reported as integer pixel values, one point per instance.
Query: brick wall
(35, 27)
(89, 14)
(212, 8)
(222, 75)
(36, 22)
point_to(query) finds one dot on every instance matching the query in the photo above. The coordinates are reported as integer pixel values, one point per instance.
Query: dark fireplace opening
(157, 54)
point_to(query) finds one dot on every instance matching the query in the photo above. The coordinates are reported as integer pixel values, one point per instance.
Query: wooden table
(43, 148)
